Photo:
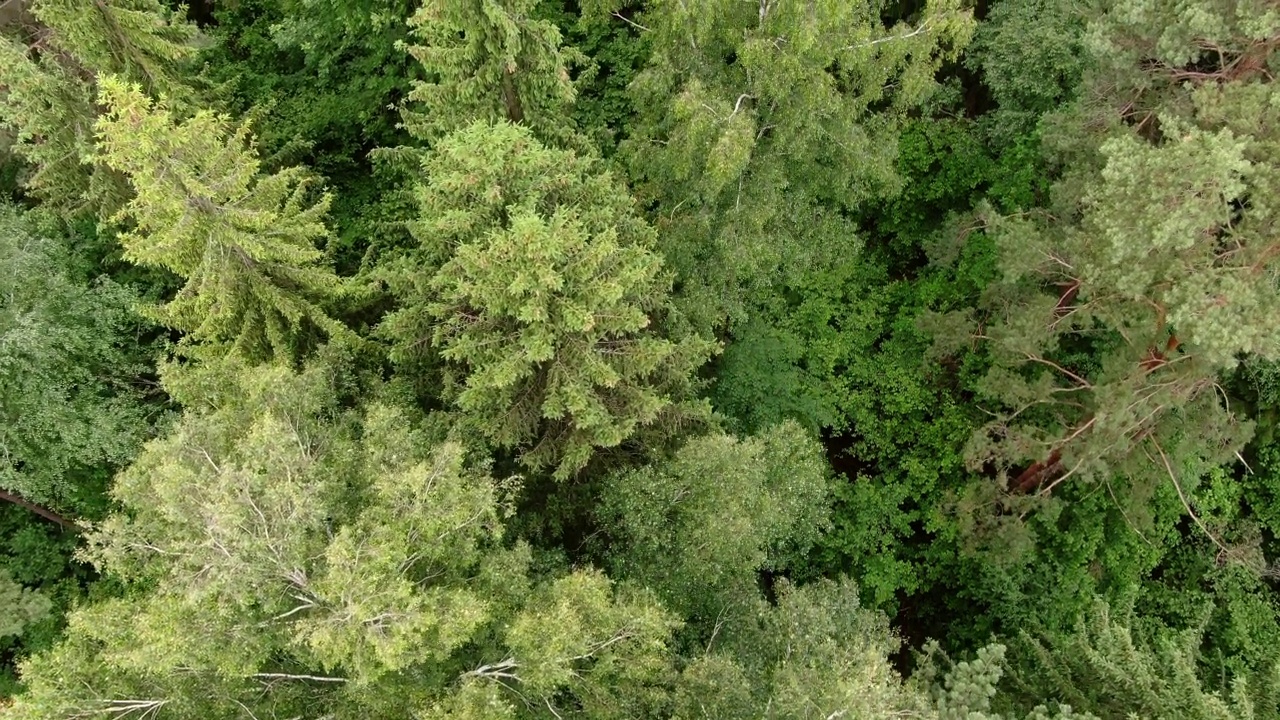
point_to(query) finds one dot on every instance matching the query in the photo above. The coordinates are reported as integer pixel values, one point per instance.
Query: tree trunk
(43, 512)
(510, 98)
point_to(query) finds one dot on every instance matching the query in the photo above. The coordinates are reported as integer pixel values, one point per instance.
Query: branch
(43, 512)
(1169, 468)
(632, 23)
(911, 34)
(288, 676)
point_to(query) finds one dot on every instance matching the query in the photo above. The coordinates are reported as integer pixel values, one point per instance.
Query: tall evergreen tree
(48, 90)
(1153, 271)
(242, 239)
(762, 126)
(489, 60)
(547, 304)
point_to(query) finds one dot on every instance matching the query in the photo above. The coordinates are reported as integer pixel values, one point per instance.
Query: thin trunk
(510, 98)
(43, 512)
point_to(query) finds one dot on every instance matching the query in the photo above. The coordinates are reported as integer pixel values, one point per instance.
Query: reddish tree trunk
(43, 512)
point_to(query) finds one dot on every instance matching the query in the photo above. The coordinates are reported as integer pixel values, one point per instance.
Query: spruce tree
(763, 126)
(488, 60)
(49, 89)
(243, 240)
(547, 302)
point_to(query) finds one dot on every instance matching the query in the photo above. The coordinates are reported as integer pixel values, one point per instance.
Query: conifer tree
(1153, 271)
(1110, 666)
(488, 60)
(547, 303)
(47, 91)
(762, 125)
(243, 240)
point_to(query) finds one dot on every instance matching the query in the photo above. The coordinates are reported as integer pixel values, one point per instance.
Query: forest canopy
(671, 359)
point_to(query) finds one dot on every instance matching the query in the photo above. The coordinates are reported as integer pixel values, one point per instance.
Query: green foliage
(47, 99)
(68, 407)
(486, 61)
(21, 606)
(760, 126)
(1110, 668)
(547, 303)
(243, 240)
(142, 40)
(767, 495)
(288, 554)
(322, 77)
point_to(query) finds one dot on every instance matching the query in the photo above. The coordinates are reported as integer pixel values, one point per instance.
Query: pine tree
(1154, 269)
(547, 302)
(243, 240)
(489, 60)
(762, 126)
(1107, 666)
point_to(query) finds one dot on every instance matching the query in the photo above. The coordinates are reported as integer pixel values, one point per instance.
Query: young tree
(763, 125)
(547, 304)
(243, 240)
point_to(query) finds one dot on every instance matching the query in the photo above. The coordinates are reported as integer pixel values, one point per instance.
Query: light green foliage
(19, 606)
(242, 239)
(66, 406)
(816, 653)
(698, 527)
(289, 557)
(47, 95)
(488, 60)
(761, 124)
(1108, 666)
(967, 689)
(548, 301)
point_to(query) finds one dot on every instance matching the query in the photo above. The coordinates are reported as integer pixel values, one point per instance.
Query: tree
(763, 127)
(47, 96)
(1152, 272)
(69, 410)
(698, 528)
(1109, 666)
(538, 285)
(243, 240)
(486, 61)
(290, 556)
